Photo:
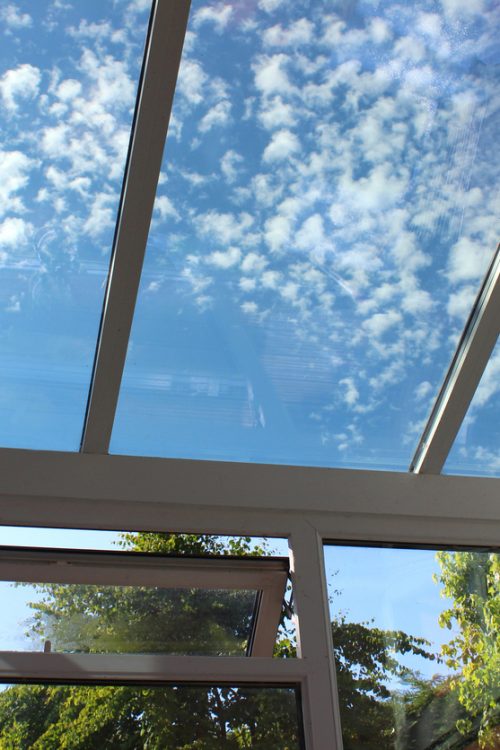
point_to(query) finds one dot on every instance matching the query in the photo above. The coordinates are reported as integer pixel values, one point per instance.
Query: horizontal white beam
(149, 668)
(132, 569)
(471, 357)
(128, 493)
(161, 65)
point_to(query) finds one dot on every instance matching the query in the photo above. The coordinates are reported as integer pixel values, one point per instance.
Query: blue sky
(325, 213)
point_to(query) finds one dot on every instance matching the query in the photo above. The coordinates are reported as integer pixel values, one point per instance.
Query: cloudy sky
(325, 213)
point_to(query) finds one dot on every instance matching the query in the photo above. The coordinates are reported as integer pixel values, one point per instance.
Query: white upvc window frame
(308, 506)
(266, 577)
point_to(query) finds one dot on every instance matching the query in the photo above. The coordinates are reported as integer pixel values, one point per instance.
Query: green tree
(471, 580)
(367, 660)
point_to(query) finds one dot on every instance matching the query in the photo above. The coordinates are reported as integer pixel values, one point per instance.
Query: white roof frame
(464, 374)
(75, 490)
(149, 130)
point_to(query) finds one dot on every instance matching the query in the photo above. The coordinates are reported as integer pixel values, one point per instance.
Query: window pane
(476, 449)
(158, 542)
(415, 637)
(157, 718)
(73, 618)
(325, 213)
(68, 79)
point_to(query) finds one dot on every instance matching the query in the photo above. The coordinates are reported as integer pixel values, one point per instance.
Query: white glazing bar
(471, 357)
(161, 65)
(150, 668)
(314, 640)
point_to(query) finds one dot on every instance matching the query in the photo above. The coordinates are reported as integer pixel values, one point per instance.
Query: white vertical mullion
(320, 703)
(155, 98)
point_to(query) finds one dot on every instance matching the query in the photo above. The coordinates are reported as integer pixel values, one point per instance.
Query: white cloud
(250, 308)
(277, 232)
(112, 84)
(19, 83)
(468, 260)
(229, 165)
(380, 189)
(379, 323)
(275, 113)
(423, 390)
(430, 24)
(455, 9)
(95, 31)
(219, 15)
(247, 285)
(299, 32)
(253, 263)
(489, 460)
(379, 30)
(14, 18)
(270, 279)
(69, 89)
(102, 215)
(14, 168)
(311, 235)
(460, 303)
(165, 209)
(282, 145)
(270, 76)
(14, 305)
(192, 80)
(351, 393)
(198, 283)
(416, 301)
(218, 115)
(224, 259)
(139, 6)
(290, 291)
(14, 232)
(490, 382)
(270, 5)
(223, 227)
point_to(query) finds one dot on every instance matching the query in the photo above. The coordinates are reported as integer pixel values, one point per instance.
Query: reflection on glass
(78, 618)
(68, 79)
(417, 647)
(157, 718)
(325, 213)
(476, 449)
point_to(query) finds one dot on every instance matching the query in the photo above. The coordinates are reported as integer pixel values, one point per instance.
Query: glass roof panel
(68, 79)
(324, 216)
(476, 449)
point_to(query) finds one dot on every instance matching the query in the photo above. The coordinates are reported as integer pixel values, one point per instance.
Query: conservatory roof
(290, 276)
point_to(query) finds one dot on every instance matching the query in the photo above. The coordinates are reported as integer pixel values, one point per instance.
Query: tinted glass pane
(325, 214)
(177, 718)
(477, 447)
(68, 79)
(123, 619)
(415, 636)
